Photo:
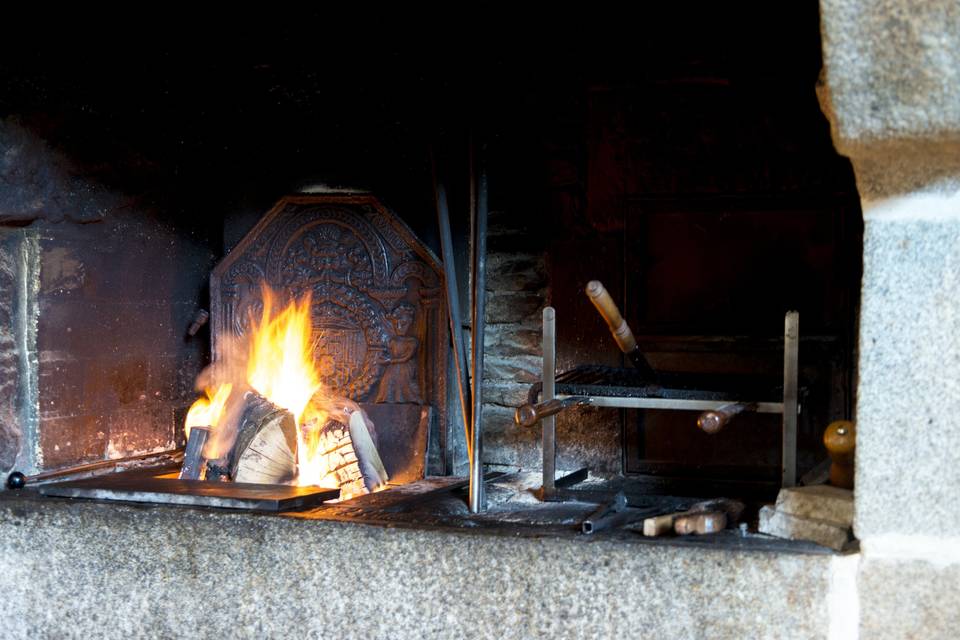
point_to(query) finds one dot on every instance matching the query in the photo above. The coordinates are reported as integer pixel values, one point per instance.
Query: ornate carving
(373, 286)
(399, 381)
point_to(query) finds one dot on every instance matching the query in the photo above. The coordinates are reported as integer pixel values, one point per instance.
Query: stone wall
(892, 90)
(516, 295)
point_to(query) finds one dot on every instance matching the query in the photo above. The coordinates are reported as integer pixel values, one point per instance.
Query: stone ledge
(86, 569)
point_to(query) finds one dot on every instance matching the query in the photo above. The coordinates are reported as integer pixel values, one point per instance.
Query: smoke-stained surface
(40, 183)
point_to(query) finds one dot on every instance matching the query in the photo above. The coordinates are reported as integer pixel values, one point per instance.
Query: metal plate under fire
(168, 489)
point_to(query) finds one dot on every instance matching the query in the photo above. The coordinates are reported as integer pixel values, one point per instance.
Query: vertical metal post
(791, 368)
(477, 500)
(453, 306)
(548, 393)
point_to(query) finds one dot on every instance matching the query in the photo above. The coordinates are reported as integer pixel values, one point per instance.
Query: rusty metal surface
(376, 296)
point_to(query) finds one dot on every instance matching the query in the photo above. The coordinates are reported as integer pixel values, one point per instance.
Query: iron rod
(680, 404)
(453, 304)
(549, 389)
(477, 500)
(791, 367)
(108, 466)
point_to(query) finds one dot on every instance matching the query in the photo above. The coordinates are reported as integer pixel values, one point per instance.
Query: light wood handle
(840, 439)
(659, 525)
(611, 314)
(700, 523)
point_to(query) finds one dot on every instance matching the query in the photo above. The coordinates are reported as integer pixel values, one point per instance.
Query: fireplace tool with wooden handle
(619, 328)
(640, 387)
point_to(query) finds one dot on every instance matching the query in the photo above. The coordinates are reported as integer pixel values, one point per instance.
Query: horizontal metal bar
(77, 472)
(672, 403)
(573, 478)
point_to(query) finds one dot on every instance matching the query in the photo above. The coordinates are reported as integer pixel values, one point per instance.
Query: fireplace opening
(257, 239)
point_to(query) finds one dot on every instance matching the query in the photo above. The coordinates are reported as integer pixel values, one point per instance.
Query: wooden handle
(660, 525)
(840, 439)
(530, 414)
(703, 517)
(685, 522)
(611, 314)
(714, 420)
(700, 523)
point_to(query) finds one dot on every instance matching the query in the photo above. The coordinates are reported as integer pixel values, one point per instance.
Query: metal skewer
(453, 304)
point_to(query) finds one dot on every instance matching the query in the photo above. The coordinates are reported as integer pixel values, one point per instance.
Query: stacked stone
(516, 294)
(821, 514)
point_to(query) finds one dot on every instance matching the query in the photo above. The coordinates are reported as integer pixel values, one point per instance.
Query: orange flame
(206, 412)
(280, 367)
(280, 363)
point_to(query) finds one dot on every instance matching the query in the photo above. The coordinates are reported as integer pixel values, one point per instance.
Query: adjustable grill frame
(623, 388)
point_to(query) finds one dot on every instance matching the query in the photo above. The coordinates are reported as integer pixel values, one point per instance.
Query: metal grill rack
(601, 386)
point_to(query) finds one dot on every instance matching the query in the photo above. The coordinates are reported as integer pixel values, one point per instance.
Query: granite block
(784, 525)
(109, 571)
(893, 67)
(892, 91)
(820, 502)
(908, 396)
(908, 598)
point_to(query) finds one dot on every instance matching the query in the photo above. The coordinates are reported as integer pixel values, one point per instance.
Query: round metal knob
(16, 480)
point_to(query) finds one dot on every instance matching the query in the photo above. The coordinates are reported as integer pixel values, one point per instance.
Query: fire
(206, 412)
(311, 465)
(280, 360)
(280, 367)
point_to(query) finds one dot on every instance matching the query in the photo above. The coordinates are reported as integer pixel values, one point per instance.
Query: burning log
(340, 448)
(265, 448)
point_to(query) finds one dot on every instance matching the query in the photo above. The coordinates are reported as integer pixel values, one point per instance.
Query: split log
(265, 448)
(345, 445)
(371, 466)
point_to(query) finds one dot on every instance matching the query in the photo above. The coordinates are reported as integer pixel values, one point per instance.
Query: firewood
(265, 449)
(345, 446)
(371, 466)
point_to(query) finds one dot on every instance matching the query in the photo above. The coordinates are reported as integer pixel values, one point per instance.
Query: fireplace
(156, 230)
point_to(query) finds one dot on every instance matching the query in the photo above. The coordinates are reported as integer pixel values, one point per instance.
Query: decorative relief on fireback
(373, 286)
